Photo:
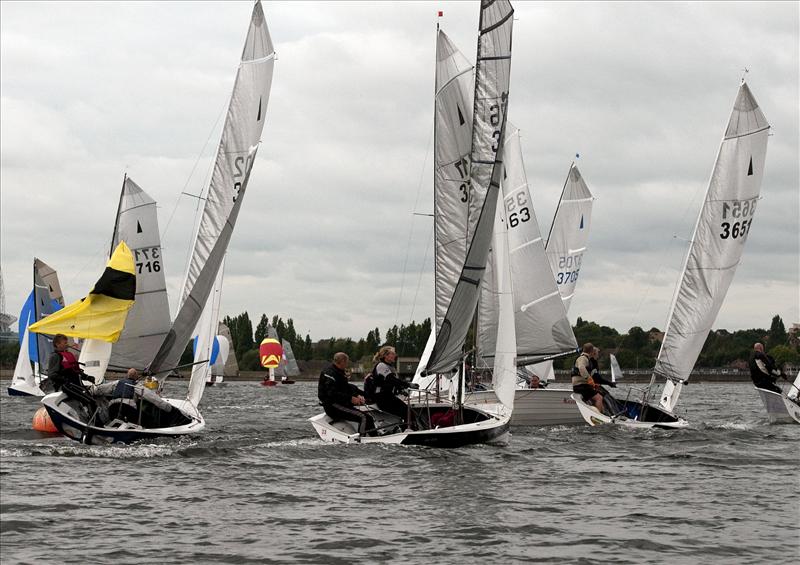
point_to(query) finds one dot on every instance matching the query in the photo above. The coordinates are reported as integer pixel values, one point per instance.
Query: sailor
(339, 398)
(386, 384)
(122, 392)
(609, 402)
(62, 367)
(535, 382)
(763, 370)
(582, 381)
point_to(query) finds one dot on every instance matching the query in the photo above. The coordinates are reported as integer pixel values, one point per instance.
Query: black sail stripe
(116, 284)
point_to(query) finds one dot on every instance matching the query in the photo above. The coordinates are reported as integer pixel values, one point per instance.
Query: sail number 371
(740, 216)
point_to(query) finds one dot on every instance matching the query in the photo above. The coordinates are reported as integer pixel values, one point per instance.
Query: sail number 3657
(741, 211)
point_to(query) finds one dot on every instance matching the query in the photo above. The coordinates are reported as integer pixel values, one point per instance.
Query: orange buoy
(42, 421)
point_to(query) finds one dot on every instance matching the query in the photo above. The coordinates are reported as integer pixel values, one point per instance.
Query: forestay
(542, 327)
(492, 75)
(237, 150)
(717, 244)
(148, 321)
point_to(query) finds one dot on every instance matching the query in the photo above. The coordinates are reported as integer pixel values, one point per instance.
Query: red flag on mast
(441, 13)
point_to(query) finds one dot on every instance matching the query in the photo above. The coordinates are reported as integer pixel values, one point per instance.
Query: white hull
(70, 418)
(492, 429)
(536, 407)
(25, 389)
(793, 408)
(664, 419)
(776, 407)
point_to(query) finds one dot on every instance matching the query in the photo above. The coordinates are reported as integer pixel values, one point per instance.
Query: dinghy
(77, 416)
(473, 189)
(715, 251)
(44, 299)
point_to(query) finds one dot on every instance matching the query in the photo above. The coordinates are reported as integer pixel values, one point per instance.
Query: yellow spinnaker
(102, 314)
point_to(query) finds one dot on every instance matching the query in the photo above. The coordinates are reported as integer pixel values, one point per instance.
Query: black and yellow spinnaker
(102, 314)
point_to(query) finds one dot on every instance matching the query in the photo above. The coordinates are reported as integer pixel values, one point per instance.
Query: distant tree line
(637, 348)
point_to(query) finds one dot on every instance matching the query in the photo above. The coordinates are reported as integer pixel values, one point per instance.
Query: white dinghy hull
(777, 406)
(71, 421)
(793, 408)
(656, 417)
(535, 407)
(491, 430)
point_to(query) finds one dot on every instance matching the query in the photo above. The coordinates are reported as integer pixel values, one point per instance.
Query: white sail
(542, 327)
(717, 244)
(492, 76)
(616, 370)
(148, 321)
(48, 299)
(223, 350)
(205, 332)
(231, 365)
(569, 234)
(235, 157)
(291, 369)
(453, 141)
(23, 379)
(94, 358)
(504, 375)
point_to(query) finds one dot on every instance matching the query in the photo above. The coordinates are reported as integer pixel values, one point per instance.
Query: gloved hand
(613, 385)
(415, 386)
(88, 378)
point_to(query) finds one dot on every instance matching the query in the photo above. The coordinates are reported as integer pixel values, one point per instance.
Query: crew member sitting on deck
(763, 370)
(122, 404)
(62, 367)
(339, 398)
(384, 384)
(582, 381)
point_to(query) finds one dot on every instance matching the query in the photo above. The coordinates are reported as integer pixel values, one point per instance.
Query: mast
(116, 218)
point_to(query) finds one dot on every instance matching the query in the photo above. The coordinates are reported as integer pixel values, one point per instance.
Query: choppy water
(258, 487)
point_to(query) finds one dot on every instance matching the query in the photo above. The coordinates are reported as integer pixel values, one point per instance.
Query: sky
(328, 233)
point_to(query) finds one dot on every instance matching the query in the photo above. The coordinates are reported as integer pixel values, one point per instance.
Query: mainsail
(235, 157)
(148, 321)
(452, 144)
(492, 75)
(716, 247)
(542, 327)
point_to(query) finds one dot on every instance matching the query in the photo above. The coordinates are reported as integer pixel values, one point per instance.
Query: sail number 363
(517, 209)
(741, 211)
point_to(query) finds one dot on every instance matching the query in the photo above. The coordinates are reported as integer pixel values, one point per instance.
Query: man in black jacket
(338, 397)
(762, 369)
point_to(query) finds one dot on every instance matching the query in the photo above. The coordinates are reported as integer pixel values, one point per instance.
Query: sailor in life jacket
(582, 381)
(382, 384)
(62, 367)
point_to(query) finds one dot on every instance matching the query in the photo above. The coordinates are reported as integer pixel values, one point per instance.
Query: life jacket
(68, 362)
(123, 389)
(577, 378)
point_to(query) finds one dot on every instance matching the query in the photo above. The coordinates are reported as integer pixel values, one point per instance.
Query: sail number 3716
(740, 216)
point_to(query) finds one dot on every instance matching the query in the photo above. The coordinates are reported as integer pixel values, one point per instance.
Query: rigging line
(411, 229)
(191, 173)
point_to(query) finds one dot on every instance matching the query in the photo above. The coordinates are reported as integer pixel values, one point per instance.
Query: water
(258, 487)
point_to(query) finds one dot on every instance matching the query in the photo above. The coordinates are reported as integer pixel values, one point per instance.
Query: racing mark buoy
(42, 421)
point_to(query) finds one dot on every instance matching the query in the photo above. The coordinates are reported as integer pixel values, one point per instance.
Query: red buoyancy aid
(68, 361)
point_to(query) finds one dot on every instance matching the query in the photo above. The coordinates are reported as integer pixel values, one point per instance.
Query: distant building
(794, 335)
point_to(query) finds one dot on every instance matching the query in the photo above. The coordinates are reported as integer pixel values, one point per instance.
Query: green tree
(777, 334)
(784, 354)
(261, 328)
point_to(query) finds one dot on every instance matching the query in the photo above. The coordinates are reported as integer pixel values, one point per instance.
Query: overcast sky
(327, 235)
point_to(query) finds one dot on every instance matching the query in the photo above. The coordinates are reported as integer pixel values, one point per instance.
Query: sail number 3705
(741, 216)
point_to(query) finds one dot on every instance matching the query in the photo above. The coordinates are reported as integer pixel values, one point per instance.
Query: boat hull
(492, 429)
(536, 407)
(71, 422)
(22, 389)
(777, 409)
(793, 408)
(654, 417)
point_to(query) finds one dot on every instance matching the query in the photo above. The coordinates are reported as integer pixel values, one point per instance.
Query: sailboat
(781, 407)
(715, 251)
(542, 328)
(474, 188)
(288, 367)
(235, 158)
(44, 299)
